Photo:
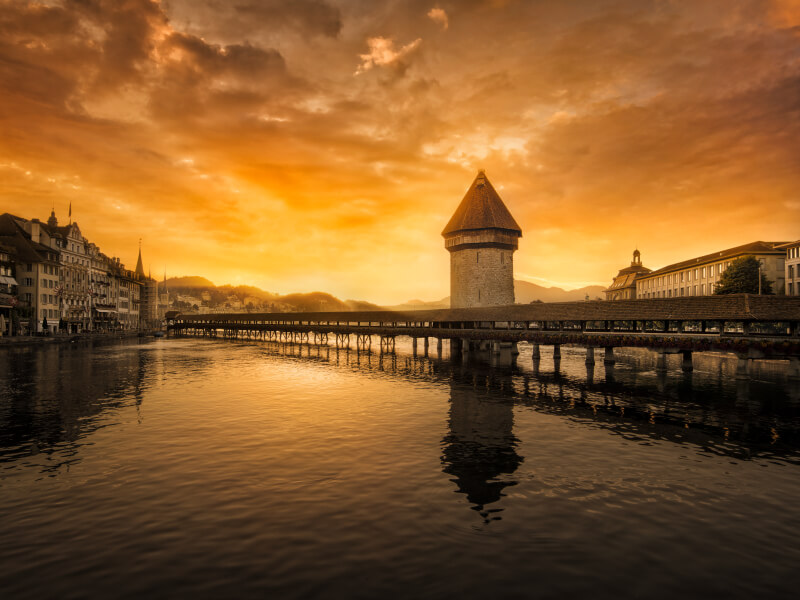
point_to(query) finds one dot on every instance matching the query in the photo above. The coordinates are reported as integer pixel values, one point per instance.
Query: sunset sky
(303, 145)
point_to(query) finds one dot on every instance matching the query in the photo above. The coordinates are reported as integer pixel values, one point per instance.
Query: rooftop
(746, 249)
(481, 208)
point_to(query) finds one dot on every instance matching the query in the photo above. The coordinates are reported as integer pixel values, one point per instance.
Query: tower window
(477, 257)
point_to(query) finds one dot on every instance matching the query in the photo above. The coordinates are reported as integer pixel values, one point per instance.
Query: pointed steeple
(53, 221)
(481, 208)
(139, 264)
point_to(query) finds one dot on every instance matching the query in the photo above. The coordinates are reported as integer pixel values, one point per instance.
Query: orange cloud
(234, 138)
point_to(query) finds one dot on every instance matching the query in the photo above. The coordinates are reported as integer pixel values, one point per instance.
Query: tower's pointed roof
(481, 208)
(139, 265)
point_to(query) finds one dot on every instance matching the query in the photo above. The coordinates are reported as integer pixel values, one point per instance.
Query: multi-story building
(67, 280)
(792, 267)
(699, 276)
(8, 288)
(37, 272)
(74, 285)
(624, 285)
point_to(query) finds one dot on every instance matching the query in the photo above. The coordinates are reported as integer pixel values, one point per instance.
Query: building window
(791, 271)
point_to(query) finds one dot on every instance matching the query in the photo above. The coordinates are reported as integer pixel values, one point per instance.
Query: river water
(213, 468)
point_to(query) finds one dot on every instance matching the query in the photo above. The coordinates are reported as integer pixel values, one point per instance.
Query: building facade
(65, 283)
(624, 285)
(700, 276)
(8, 288)
(792, 267)
(37, 273)
(481, 238)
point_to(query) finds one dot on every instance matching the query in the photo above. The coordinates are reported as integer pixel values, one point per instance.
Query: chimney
(34, 229)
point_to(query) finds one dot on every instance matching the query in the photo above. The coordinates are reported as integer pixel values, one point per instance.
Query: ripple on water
(209, 468)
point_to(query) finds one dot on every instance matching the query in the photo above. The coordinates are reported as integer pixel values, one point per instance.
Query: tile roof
(481, 208)
(751, 248)
(28, 251)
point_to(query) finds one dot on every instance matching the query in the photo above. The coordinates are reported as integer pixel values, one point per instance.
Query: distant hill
(189, 282)
(526, 292)
(257, 300)
(189, 291)
(421, 305)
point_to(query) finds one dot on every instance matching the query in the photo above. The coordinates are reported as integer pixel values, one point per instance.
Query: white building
(792, 267)
(699, 276)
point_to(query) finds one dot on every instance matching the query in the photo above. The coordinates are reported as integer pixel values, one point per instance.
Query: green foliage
(741, 277)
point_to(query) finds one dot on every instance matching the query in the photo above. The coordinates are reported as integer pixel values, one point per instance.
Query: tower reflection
(480, 450)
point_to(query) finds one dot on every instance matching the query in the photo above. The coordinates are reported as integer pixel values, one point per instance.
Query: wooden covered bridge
(753, 327)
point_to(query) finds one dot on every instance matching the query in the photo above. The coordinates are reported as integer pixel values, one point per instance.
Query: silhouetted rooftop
(481, 208)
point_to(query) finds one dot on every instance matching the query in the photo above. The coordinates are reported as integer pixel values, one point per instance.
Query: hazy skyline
(303, 145)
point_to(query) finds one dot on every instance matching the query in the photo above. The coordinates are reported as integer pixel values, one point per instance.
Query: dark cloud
(245, 121)
(256, 19)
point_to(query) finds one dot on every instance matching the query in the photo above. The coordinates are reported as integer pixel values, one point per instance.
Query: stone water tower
(481, 238)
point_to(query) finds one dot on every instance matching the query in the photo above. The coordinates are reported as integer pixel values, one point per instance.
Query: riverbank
(38, 340)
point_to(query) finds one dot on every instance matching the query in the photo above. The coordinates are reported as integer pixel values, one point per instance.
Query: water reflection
(480, 447)
(55, 394)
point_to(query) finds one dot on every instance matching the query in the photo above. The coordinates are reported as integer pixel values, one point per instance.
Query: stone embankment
(61, 338)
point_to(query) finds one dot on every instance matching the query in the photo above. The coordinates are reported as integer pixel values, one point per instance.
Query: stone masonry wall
(481, 277)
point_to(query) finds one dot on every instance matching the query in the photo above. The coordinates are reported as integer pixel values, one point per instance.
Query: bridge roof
(734, 307)
(481, 208)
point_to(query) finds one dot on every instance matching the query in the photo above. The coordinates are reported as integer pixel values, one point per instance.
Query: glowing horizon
(322, 145)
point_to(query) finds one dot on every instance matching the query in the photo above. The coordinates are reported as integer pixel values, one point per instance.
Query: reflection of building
(43, 407)
(699, 276)
(792, 265)
(480, 446)
(481, 238)
(624, 285)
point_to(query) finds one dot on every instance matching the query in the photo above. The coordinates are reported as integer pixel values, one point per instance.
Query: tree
(741, 277)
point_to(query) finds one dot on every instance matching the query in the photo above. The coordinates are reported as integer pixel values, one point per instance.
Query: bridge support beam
(414, 345)
(608, 358)
(535, 353)
(439, 347)
(590, 355)
(556, 351)
(425, 345)
(387, 344)
(661, 361)
(686, 363)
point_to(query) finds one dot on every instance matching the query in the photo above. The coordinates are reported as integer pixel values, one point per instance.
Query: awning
(8, 280)
(105, 310)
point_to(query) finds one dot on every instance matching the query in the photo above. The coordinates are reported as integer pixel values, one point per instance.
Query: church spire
(139, 264)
